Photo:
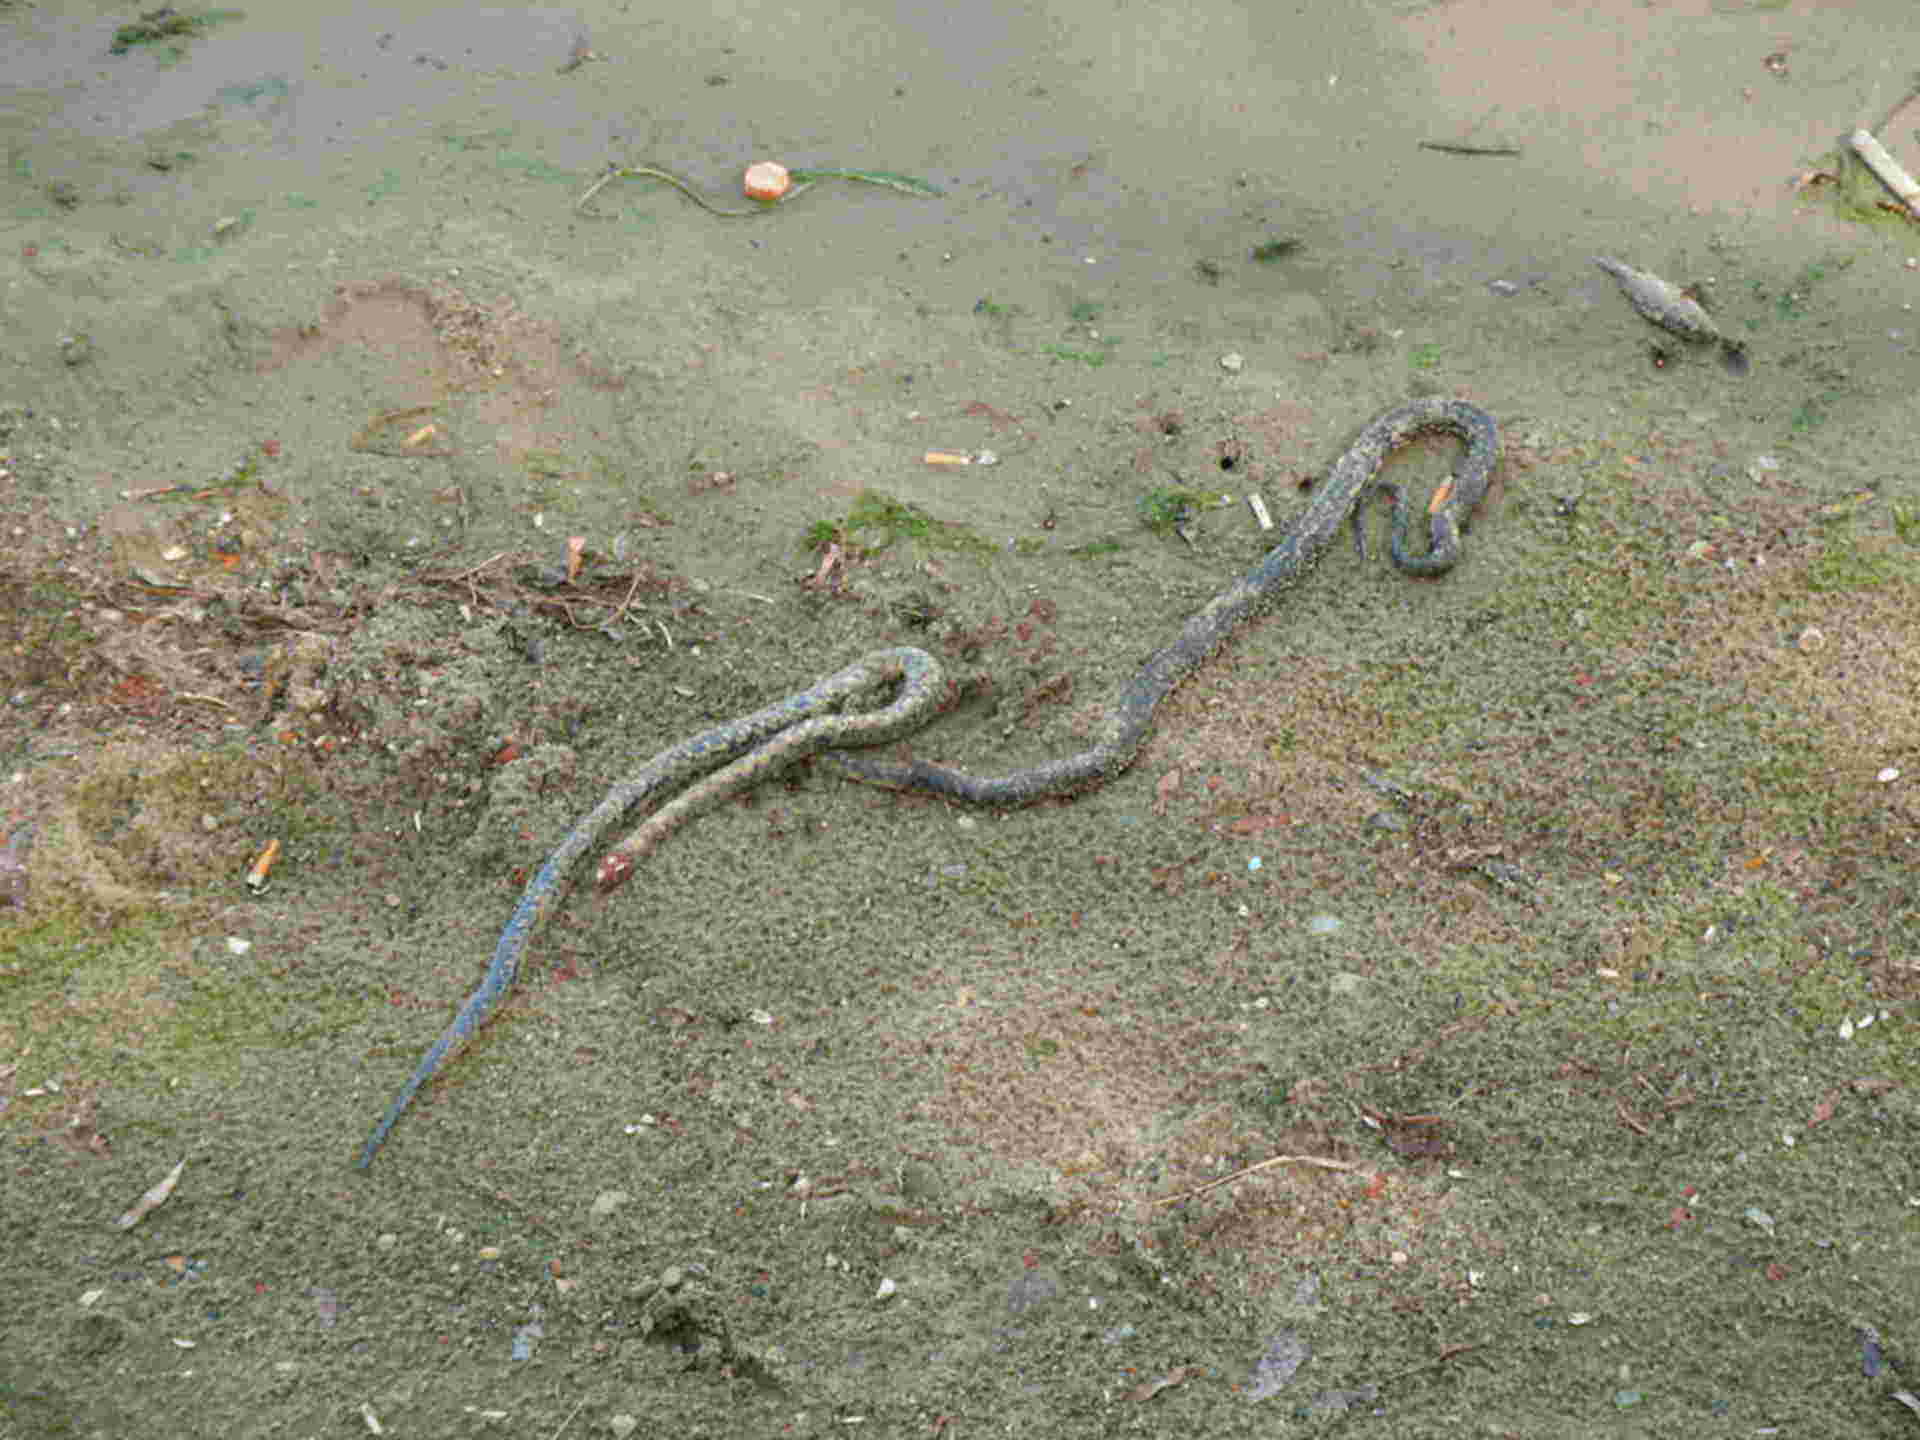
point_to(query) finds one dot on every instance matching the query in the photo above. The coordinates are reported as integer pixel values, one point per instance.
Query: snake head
(613, 872)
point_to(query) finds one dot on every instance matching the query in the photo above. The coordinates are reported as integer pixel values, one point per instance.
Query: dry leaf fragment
(155, 1197)
(1164, 789)
(821, 579)
(1147, 1389)
(1629, 1119)
(81, 1137)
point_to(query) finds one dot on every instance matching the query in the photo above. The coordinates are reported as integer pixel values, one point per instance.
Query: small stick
(1449, 147)
(1886, 122)
(632, 590)
(465, 574)
(569, 1420)
(613, 174)
(1875, 157)
(1263, 1165)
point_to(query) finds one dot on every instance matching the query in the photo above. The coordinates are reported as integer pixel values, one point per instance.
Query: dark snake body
(775, 737)
(1130, 717)
(761, 744)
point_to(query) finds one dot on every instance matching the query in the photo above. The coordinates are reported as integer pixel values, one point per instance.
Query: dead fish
(1674, 311)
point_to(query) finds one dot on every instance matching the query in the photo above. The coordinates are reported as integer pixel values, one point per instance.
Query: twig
(1886, 121)
(569, 1420)
(632, 589)
(1267, 1164)
(466, 574)
(613, 174)
(1449, 147)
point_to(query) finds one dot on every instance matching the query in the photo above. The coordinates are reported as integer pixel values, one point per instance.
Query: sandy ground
(1487, 1005)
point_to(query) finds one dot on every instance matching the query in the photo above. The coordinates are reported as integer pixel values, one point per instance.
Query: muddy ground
(1487, 1005)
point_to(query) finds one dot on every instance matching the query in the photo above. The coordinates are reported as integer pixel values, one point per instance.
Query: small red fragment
(270, 448)
(613, 872)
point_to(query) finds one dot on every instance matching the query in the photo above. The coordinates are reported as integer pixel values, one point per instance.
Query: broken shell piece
(766, 181)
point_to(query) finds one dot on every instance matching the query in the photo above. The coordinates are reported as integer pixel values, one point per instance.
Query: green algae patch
(145, 822)
(129, 1004)
(167, 30)
(876, 521)
(1848, 562)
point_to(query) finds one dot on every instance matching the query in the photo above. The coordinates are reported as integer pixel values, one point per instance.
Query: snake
(730, 758)
(1130, 716)
(773, 738)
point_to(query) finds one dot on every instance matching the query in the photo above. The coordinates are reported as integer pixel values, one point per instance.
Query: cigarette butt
(576, 555)
(1260, 513)
(263, 867)
(1440, 498)
(420, 437)
(947, 457)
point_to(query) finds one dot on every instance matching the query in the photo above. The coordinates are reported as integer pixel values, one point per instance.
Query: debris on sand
(1888, 170)
(13, 868)
(1674, 311)
(155, 1197)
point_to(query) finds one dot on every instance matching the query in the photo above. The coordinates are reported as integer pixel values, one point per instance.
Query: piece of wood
(1875, 157)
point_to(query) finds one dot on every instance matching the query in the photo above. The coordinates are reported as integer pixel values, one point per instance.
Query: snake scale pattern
(798, 726)
(1130, 717)
(739, 754)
